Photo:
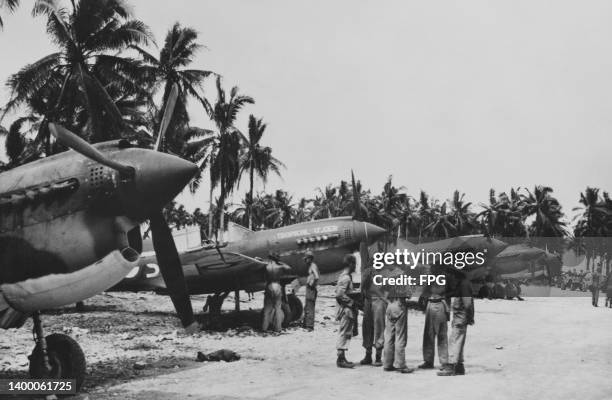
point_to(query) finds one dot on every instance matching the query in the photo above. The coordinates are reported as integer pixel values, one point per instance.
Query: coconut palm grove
(106, 77)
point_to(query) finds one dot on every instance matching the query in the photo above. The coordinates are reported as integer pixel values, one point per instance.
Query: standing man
(608, 287)
(463, 315)
(373, 325)
(396, 333)
(595, 284)
(273, 295)
(345, 312)
(311, 291)
(437, 314)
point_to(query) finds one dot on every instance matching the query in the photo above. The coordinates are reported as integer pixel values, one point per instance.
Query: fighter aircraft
(67, 233)
(240, 265)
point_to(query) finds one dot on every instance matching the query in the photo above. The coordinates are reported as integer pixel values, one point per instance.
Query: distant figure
(499, 291)
(595, 284)
(311, 290)
(396, 335)
(519, 291)
(437, 314)
(485, 292)
(273, 295)
(463, 315)
(250, 295)
(609, 290)
(345, 312)
(373, 325)
(511, 290)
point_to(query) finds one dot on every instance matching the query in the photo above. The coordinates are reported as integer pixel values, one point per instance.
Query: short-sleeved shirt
(344, 285)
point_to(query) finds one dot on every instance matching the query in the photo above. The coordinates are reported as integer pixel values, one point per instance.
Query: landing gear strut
(56, 356)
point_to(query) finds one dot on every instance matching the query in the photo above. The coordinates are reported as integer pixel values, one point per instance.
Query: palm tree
(90, 37)
(11, 5)
(225, 152)
(441, 225)
(327, 203)
(504, 215)
(593, 223)
(170, 68)
(463, 218)
(548, 217)
(257, 159)
(282, 211)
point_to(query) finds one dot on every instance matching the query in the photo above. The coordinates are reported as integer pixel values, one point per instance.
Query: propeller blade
(170, 103)
(79, 145)
(171, 268)
(135, 239)
(356, 199)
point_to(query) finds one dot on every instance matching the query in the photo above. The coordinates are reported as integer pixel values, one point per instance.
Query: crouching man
(346, 313)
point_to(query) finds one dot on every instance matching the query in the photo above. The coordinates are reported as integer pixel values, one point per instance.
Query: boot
(426, 365)
(459, 369)
(342, 362)
(449, 370)
(405, 370)
(367, 360)
(378, 362)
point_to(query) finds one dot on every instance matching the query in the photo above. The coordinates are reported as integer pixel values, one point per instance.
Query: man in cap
(311, 290)
(437, 312)
(374, 309)
(273, 295)
(345, 312)
(463, 315)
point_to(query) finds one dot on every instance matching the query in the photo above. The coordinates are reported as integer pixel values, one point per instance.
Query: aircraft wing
(201, 266)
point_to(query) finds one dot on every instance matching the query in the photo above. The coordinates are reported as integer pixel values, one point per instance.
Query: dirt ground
(542, 348)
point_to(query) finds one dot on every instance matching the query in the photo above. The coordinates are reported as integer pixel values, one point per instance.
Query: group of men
(385, 321)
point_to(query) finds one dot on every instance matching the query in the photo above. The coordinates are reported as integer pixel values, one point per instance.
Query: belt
(435, 300)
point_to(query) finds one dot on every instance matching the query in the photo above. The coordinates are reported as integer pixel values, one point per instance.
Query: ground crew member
(345, 310)
(396, 334)
(311, 290)
(609, 290)
(273, 295)
(595, 283)
(437, 314)
(373, 325)
(463, 315)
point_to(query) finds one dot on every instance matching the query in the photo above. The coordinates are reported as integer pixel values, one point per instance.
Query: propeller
(81, 146)
(163, 243)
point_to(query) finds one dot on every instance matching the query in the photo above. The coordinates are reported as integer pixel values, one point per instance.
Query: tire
(286, 315)
(296, 307)
(65, 356)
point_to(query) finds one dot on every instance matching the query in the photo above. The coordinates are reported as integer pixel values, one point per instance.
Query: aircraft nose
(159, 178)
(368, 231)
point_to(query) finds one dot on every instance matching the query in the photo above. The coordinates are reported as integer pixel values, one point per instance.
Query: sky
(442, 95)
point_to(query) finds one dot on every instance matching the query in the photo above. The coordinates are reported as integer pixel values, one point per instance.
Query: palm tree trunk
(250, 205)
(222, 215)
(210, 210)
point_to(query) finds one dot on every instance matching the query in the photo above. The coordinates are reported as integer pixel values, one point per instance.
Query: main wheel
(66, 358)
(286, 315)
(296, 307)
